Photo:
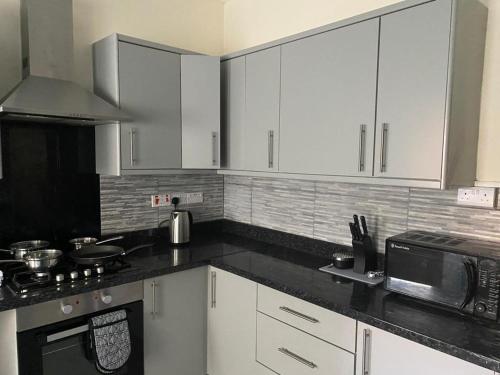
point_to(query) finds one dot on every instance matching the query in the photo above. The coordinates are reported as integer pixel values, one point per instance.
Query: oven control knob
(66, 309)
(480, 308)
(87, 272)
(59, 278)
(73, 275)
(100, 270)
(106, 299)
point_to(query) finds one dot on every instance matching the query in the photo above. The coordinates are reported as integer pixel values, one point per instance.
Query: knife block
(365, 256)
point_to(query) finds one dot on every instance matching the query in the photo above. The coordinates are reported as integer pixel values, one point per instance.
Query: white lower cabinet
(231, 341)
(383, 353)
(175, 323)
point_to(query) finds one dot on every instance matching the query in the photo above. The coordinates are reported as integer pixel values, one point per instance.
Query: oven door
(63, 348)
(438, 276)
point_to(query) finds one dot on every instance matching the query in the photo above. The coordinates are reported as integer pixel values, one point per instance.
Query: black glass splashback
(49, 188)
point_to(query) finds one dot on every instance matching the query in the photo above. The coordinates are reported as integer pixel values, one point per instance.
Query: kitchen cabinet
(383, 353)
(8, 342)
(173, 100)
(252, 102)
(231, 325)
(175, 323)
(328, 96)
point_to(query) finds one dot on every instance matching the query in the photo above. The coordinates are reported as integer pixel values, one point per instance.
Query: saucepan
(80, 242)
(20, 249)
(39, 261)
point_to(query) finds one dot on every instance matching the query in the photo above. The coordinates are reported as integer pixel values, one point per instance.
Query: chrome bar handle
(298, 314)
(67, 333)
(367, 343)
(297, 357)
(132, 147)
(270, 148)
(214, 149)
(362, 147)
(153, 310)
(213, 289)
(383, 151)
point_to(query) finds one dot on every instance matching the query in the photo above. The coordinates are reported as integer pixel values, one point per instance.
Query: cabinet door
(233, 112)
(200, 98)
(328, 93)
(261, 140)
(231, 328)
(175, 323)
(382, 353)
(150, 82)
(413, 74)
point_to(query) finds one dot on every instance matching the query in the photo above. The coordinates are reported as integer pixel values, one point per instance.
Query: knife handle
(365, 227)
(357, 226)
(353, 231)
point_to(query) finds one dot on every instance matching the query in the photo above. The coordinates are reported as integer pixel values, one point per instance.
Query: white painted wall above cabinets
(391, 97)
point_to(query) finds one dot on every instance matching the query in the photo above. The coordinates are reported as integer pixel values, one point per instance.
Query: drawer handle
(367, 342)
(298, 314)
(297, 357)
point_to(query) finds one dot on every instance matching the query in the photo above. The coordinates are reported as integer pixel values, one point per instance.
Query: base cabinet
(383, 353)
(231, 327)
(175, 323)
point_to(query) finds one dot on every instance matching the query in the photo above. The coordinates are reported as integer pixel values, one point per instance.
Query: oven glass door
(433, 275)
(63, 348)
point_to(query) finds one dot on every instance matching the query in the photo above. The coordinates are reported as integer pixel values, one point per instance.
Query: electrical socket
(160, 200)
(193, 198)
(477, 197)
(186, 198)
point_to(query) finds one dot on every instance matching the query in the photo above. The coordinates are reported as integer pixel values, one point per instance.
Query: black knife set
(365, 256)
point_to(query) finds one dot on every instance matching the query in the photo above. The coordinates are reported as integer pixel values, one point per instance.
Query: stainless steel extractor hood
(46, 92)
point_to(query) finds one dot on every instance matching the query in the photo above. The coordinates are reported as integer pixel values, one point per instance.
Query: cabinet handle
(367, 343)
(270, 148)
(153, 310)
(132, 147)
(214, 149)
(298, 314)
(213, 289)
(362, 147)
(383, 151)
(298, 358)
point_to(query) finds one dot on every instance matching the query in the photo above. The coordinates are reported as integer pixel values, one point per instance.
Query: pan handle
(127, 252)
(12, 261)
(7, 251)
(110, 239)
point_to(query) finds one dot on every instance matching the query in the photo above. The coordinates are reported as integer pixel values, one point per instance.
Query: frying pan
(97, 254)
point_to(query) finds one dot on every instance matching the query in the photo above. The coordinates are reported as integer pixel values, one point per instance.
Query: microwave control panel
(487, 293)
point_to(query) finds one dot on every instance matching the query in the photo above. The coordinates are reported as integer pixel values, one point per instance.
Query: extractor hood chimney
(46, 92)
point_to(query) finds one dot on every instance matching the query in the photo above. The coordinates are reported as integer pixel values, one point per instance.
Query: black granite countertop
(296, 273)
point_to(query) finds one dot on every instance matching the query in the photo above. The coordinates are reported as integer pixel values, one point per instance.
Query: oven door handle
(471, 282)
(67, 333)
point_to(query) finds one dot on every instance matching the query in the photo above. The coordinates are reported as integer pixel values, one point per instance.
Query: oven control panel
(487, 293)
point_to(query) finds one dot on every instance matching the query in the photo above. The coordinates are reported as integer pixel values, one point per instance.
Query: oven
(54, 337)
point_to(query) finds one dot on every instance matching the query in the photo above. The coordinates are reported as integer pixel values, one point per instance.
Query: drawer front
(327, 325)
(289, 351)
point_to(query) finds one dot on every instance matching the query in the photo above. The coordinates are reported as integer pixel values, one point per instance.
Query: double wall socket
(164, 200)
(477, 197)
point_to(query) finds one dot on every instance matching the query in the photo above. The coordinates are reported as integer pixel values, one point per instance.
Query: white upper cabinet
(412, 91)
(251, 91)
(173, 100)
(328, 94)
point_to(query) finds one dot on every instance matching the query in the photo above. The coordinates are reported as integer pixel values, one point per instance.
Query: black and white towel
(110, 340)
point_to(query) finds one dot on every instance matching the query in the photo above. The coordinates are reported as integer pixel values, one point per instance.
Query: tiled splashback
(322, 209)
(126, 200)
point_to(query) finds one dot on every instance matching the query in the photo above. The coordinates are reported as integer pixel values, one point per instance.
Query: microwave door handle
(471, 282)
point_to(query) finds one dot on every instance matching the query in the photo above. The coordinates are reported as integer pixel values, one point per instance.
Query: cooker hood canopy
(46, 92)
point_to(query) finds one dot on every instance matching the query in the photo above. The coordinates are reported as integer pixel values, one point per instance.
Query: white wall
(190, 24)
(251, 22)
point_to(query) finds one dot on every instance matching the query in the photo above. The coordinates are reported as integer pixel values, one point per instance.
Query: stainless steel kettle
(180, 225)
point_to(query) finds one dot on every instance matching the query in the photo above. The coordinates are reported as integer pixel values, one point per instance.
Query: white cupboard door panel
(389, 354)
(289, 351)
(200, 98)
(328, 94)
(412, 91)
(317, 321)
(175, 323)
(150, 81)
(232, 303)
(233, 112)
(261, 139)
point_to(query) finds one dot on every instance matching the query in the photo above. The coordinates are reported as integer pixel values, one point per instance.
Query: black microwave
(458, 273)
